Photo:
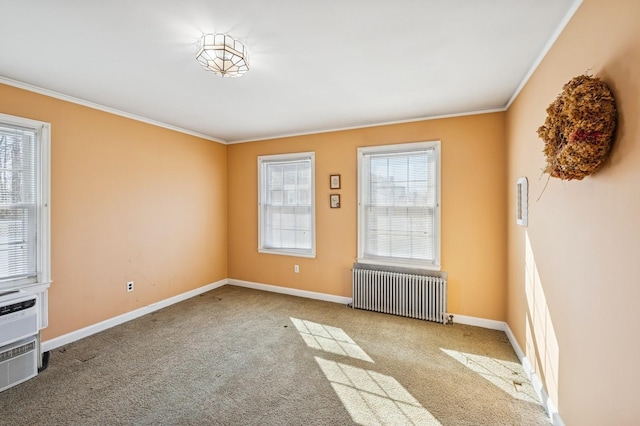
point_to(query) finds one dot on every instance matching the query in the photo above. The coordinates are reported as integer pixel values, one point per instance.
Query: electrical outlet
(129, 286)
(296, 269)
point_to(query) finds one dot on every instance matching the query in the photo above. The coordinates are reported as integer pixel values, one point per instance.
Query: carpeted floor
(235, 356)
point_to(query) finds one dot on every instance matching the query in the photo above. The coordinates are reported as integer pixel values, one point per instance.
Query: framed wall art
(522, 201)
(334, 182)
(334, 200)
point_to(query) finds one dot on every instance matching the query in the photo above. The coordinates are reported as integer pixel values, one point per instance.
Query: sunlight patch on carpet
(506, 375)
(329, 339)
(373, 398)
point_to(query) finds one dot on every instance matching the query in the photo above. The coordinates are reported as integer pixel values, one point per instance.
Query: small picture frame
(334, 201)
(522, 202)
(334, 182)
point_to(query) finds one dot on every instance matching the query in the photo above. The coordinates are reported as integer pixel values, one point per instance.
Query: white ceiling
(315, 65)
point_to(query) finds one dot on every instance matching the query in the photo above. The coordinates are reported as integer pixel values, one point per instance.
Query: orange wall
(582, 328)
(129, 201)
(473, 210)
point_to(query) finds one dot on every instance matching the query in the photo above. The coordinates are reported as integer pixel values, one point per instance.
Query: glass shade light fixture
(223, 55)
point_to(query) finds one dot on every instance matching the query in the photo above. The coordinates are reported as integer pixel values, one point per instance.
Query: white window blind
(18, 203)
(286, 203)
(399, 204)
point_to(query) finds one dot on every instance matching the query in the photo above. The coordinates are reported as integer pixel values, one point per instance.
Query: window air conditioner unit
(18, 338)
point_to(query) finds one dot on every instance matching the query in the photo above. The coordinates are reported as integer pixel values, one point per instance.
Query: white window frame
(362, 179)
(262, 161)
(43, 201)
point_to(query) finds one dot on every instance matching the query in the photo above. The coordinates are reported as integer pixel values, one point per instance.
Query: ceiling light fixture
(223, 55)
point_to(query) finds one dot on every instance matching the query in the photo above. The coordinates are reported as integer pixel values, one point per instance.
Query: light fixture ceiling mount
(223, 55)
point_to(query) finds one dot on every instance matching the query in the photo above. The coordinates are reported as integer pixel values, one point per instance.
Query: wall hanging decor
(334, 200)
(579, 128)
(334, 181)
(522, 202)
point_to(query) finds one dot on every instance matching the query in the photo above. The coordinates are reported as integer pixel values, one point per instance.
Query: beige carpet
(235, 356)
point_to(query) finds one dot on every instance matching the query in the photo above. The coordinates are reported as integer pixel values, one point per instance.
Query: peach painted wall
(574, 274)
(473, 210)
(129, 201)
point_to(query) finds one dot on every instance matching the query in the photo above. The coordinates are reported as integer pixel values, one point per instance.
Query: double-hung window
(399, 205)
(24, 202)
(286, 203)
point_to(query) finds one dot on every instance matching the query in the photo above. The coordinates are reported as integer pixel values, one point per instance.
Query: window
(286, 202)
(399, 205)
(24, 202)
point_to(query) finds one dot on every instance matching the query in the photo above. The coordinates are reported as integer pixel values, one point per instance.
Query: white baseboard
(478, 322)
(547, 403)
(291, 291)
(120, 319)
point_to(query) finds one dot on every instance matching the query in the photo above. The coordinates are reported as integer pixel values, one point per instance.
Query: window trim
(399, 148)
(262, 160)
(43, 202)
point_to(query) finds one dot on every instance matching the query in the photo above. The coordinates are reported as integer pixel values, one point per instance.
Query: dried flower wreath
(579, 128)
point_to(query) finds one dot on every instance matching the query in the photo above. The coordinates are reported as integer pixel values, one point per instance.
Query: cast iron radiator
(399, 293)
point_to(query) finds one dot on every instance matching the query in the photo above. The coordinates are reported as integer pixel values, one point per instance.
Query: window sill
(287, 253)
(405, 265)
